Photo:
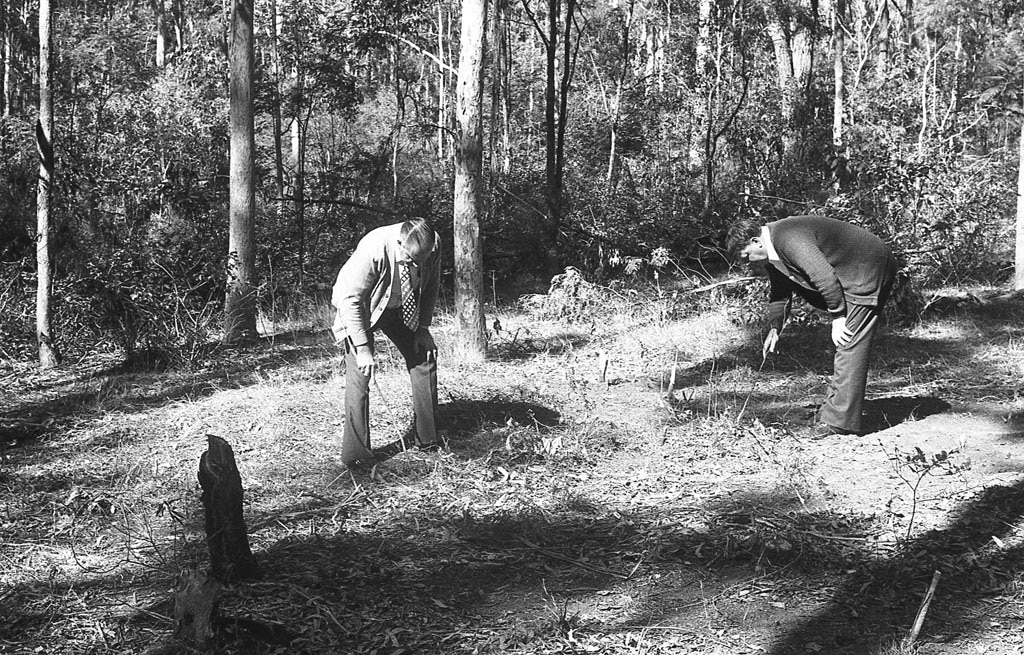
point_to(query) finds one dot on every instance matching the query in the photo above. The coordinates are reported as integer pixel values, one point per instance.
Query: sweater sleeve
(801, 252)
(780, 297)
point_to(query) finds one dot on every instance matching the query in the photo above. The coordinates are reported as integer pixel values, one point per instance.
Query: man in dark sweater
(837, 267)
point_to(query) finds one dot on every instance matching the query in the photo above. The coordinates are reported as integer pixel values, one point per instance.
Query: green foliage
(928, 157)
(143, 305)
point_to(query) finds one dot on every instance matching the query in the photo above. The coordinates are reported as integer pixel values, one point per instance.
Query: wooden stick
(568, 560)
(923, 609)
(736, 280)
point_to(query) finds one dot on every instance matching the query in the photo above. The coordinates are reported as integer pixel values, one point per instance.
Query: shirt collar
(766, 239)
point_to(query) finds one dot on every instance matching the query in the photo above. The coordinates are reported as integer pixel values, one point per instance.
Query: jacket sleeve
(801, 252)
(352, 291)
(430, 285)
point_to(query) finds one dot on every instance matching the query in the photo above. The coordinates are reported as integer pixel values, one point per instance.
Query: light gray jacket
(364, 285)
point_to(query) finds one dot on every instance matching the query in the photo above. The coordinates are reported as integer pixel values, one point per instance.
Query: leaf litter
(629, 485)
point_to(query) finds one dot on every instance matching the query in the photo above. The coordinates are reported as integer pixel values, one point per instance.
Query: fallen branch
(575, 562)
(923, 609)
(723, 283)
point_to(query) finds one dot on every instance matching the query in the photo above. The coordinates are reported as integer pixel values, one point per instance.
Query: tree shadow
(878, 601)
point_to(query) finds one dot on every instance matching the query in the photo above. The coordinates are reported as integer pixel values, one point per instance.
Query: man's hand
(841, 335)
(423, 340)
(770, 342)
(364, 360)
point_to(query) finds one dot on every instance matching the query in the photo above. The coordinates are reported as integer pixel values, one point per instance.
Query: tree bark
(625, 54)
(839, 47)
(1018, 270)
(299, 124)
(560, 52)
(196, 607)
(226, 534)
(276, 25)
(884, 45)
(240, 300)
(160, 11)
(501, 110)
(48, 353)
(442, 87)
(472, 339)
(6, 17)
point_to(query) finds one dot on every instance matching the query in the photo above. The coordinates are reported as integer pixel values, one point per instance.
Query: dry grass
(673, 506)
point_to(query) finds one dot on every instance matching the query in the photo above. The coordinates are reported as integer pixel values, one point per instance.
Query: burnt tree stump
(230, 556)
(196, 604)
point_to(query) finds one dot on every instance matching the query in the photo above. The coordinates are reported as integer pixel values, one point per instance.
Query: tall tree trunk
(299, 124)
(839, 47)
(500, 92)
(793, 64)
(625, 53)
(5, 22)
(560, 53)
(442, 87)
(48, 353)
(884, 45)
(472, 339)
(276, 26)
(396, 132)
(568, 68)
(1018, 270)
(179, 25)
(160, 11)
(552, 190)
(7, 97)
(700, 127)
(240, 300)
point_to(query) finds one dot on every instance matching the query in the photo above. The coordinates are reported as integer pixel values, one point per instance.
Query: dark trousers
(422, 374)
(844, 401)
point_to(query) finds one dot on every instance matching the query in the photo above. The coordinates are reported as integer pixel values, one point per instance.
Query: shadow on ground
(882, 413)
(877, 602)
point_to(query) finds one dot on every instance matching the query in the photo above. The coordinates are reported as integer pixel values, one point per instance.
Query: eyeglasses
(407, 257)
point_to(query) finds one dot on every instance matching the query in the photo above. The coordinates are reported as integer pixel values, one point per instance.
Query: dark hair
(740, 234)
(417, 236)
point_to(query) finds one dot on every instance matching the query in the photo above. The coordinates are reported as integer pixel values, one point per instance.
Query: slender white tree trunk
(48, 354)
(442, 88)
(472, 337)
(839, 48)
(1018, 272)
(7, 55)
(161, 33)
(240, 300)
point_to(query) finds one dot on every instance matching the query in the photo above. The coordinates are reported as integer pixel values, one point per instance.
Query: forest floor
(678, 503)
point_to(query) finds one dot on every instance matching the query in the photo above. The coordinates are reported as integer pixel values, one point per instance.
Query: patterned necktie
(410, 313)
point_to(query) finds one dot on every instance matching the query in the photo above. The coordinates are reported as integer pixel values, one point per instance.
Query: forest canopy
(620, 136)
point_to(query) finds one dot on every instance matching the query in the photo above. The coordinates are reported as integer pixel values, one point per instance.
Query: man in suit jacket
(838, 267)
(389, 284)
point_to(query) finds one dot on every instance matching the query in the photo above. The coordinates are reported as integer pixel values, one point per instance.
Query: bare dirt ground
(679, 505)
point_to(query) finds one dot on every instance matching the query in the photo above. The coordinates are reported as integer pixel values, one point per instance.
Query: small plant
(913, 468)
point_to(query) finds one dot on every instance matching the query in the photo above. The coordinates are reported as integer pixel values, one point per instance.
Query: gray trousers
(355, 444)
(844, 401)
